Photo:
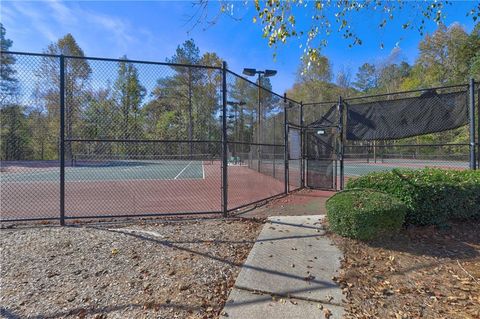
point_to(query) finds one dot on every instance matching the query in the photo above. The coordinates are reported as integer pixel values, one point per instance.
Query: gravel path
(166, 270)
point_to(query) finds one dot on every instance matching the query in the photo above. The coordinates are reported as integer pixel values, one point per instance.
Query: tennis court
(140, 186)
(87, 168)
(358, 168)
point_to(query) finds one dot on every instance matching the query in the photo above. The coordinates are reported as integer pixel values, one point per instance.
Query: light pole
(259, 73)
(235, 106)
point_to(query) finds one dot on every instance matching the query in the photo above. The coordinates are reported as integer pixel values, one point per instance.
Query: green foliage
(433, 196)
(364, 214)
(367, 78)
(9, 84)
(128, 96)
(329, 17)
(14, 137)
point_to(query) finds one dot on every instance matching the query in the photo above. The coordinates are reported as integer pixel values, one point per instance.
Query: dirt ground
(420, 273)
(182, 269)
(303, 202)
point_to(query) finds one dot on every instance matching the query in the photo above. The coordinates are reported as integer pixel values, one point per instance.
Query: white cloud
(36, 19)
(62, 13)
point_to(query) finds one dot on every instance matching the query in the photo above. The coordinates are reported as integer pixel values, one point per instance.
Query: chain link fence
(93, 137)
(256, 142)
(434, 127)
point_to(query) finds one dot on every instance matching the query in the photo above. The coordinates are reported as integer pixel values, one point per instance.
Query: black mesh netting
(320, 155)
(392, 119)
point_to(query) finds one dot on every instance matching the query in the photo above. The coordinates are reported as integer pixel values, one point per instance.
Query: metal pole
(224, 141)
(473, 158)
(190, 128)
(62, 140)
(478, 129)
(259, 129)
(341, 137)
(302, 168)
(285, 141)
(274, 147)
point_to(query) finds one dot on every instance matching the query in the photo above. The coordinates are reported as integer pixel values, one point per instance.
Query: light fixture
(249, 72)
(269, 73)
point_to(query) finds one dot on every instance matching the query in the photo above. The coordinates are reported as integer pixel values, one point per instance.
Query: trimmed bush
(432, 196)
(364, 214)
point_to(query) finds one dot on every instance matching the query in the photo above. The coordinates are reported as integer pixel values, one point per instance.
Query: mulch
(181, 269)
(419, 273)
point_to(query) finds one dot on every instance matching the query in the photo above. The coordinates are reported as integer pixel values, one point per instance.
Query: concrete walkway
(288, 273)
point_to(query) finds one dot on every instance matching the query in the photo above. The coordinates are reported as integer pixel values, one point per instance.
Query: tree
(311, 72)
(15, 137)
(206, 97)
(8, 82)
(14, 134)
(439, 59)
(278, 18)
(77, 74)
(391, 76)
(469, 54)
(128, 95)
(173, 112)
(366, 77)
(344, 81)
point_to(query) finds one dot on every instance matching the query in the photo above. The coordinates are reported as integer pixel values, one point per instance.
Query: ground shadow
(461, 240)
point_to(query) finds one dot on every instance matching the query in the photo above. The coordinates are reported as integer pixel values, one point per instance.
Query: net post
(62, 140)
(302, 143)
(341, 138)
(259, 122)
(224, 141)
(285, 142)
(478, 128)
(473, 158)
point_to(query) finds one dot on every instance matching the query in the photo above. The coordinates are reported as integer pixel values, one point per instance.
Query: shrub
(432, 196)
(364, 214)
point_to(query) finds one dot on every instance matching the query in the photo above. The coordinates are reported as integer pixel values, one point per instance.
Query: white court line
(203, 170)
(183, 170)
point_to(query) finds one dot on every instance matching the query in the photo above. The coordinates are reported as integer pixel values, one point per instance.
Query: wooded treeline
(124, 100)
(449, 56)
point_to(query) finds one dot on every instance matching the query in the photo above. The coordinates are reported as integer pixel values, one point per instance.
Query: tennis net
(112, 160)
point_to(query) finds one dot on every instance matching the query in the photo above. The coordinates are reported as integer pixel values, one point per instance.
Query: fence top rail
(405, 92)
(263, 88)
(323, 102)
(408, 145)
(113, 60)
(107, 140)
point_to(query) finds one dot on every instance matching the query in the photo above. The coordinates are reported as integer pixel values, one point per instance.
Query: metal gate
(320, 153)
(295, 158)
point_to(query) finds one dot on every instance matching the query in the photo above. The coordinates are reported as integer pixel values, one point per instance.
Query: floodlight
(249, 72)
(270, 73)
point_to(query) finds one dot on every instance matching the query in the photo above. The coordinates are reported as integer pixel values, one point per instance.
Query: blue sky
(152, 30)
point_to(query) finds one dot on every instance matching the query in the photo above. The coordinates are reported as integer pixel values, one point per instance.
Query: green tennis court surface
(358, 169)
(138, 170)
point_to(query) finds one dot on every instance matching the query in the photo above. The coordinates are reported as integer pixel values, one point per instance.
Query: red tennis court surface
(41, 200)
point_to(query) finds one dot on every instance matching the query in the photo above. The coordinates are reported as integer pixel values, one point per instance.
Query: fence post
(224, 141)
(285, 141)
(62, 140)
(473, 158)
(341, 137)
(302, 143)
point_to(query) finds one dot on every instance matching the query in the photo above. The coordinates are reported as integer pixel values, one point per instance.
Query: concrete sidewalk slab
(292, 258)
(244, 304)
